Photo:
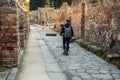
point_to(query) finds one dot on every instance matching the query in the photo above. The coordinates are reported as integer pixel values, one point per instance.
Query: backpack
(68, 32)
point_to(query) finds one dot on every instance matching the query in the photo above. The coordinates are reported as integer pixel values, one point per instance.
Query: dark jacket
(63, 31)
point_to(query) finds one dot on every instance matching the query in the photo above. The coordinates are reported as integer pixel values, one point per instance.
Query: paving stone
(92, 71)
(57, 76)
(4, 75)
(95, 49)
(64, 59)
(79, 74)
(81, 70)
(86, 77)
(115, 72)
(116, 76)
(53, 67)
(76, 78)
(102, 76)
(107, 79)
(63, 67)
(13, 74)
(73, 67)
(96, 79)
(42, 42)
(104, 71)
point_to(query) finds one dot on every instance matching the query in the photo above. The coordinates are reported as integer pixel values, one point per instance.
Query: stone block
(95, 49)
(6, 10)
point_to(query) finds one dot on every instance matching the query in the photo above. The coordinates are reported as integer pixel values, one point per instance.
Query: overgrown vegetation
(102, 51)
(2, 69)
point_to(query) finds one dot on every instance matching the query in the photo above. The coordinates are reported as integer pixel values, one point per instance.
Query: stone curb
(9, 74)
(4, 75)
(99, 51)
(13, 74)
(52, 68)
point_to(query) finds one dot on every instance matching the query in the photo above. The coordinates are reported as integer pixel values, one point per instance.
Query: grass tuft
(2, 69)
(102, 53)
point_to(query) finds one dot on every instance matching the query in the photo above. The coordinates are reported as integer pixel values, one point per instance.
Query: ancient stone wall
(23, 19)
(98, 21)
(76, 16)
(102, 22)
(46, 16)
(62, 15)
(11, 23)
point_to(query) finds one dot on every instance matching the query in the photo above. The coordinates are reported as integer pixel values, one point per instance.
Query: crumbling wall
(98, 21)
(76, 16)
(62, 15)
(102, 22)
(46, 16)
(10, 39)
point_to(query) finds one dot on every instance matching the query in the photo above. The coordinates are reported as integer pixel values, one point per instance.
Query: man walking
(67, 33)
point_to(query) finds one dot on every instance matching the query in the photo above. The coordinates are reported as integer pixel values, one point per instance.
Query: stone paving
(80, 64)
(4, 75)
(9, 74)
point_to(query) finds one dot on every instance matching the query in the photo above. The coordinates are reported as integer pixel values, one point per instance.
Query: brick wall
(10, 35)
(95, 20)
(98, 21)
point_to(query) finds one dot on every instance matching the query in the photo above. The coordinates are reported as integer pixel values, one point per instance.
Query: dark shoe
(66, 53)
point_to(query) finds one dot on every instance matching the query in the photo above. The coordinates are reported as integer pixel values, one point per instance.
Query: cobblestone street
(33, 34)
(80, 64)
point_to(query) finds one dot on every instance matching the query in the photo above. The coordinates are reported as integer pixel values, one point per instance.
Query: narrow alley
(48, 62)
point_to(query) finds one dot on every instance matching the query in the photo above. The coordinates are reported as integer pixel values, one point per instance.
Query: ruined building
(45, 16)
(62, 15)
(14, 30)
(97, 21)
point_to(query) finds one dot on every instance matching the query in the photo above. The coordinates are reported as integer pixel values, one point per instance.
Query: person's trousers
(66, 42)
